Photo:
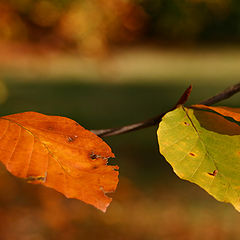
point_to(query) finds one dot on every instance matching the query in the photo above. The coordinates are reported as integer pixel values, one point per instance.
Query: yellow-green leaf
(204, 148)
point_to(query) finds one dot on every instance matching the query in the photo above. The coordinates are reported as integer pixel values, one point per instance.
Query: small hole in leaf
(70, 139)
(185, 123)
(192, 154)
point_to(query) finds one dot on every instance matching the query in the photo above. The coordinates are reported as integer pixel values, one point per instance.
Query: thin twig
(128, 128)
(144, 124)
(227, 93)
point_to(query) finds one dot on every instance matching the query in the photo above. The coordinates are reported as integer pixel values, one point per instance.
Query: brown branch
(144, 124)
(227, 93)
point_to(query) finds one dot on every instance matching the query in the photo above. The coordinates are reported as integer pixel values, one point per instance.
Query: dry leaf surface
(58, 153)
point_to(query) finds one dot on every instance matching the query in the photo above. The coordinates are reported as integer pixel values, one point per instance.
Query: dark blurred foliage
(193, 20)
(98, 24)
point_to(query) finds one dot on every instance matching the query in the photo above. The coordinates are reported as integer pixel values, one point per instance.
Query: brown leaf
(225, 111)
(58, 153)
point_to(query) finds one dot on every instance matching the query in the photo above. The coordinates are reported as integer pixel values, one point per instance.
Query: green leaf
(204, 148)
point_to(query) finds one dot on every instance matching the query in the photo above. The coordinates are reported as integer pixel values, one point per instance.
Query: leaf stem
(227, 93)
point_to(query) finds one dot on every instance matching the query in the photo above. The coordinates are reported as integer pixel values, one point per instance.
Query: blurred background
(108, 63)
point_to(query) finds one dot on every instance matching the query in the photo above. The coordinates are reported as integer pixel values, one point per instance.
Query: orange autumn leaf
(58, 153)
(225, 111)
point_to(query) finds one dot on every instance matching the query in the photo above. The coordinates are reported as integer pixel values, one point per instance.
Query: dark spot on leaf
(94, 167)
(49, 126)
(192, 154)
(37, 178)
(93, 156)
(214, 173)
(185, 123)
